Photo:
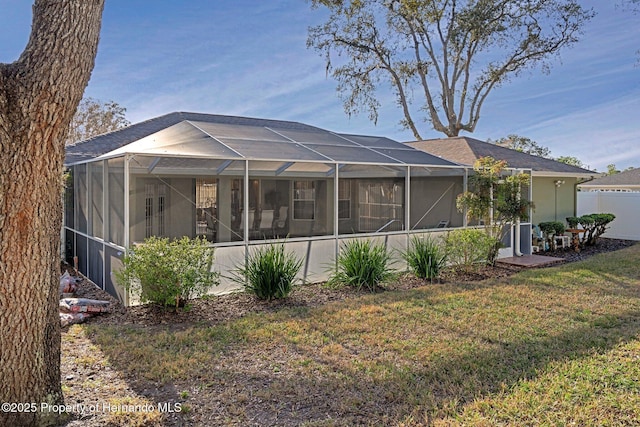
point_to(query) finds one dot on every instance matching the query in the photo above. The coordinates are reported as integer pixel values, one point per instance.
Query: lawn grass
(555, 346)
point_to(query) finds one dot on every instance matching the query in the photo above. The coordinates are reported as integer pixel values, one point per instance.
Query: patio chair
(281, 222)
(254, 219)
(266, 223)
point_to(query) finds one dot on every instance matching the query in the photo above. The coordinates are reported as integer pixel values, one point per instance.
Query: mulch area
(235, 305)
(218, 309)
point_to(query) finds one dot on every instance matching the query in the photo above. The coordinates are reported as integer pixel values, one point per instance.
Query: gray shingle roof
(626, 178)
(466, 151)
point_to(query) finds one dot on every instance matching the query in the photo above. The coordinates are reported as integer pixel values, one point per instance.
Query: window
(344, 199)
(381, 205)
(155, 202)
(148, 210)
(304, 200)
(206, 203)
(162, 198)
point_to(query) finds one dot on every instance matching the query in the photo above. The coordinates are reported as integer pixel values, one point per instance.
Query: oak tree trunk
(39, 94)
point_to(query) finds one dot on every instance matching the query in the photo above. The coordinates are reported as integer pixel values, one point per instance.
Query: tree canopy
(441, 58)
(632, 5)
(529, 146)
(571, 160)
(94, 117)
(612, 169)
(524, 145)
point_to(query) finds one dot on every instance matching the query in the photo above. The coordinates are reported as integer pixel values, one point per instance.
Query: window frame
(304, 196)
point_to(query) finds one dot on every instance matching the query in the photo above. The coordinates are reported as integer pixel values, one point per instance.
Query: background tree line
(527, 145)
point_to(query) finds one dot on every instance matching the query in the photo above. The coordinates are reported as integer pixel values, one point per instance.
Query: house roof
(466, 151)
(630, 178)
(229, 137)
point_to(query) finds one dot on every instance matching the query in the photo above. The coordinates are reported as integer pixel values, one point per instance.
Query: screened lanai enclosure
(242, 182)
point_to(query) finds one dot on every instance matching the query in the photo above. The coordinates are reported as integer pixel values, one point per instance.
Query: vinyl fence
(625, 206)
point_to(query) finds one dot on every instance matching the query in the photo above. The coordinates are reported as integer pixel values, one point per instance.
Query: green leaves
(169, 272)
(269, 272)
(594, 226)
(425, 257)
(491, 189)
(448, 55)
(467, 248)
(361, 264)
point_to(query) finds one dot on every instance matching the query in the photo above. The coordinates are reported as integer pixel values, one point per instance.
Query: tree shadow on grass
(387, 394)
(293, 367)
(244, 380)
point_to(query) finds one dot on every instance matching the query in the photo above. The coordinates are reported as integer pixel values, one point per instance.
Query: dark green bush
(599, 226)
(551, 229)
(573, 222)
(168, 272)
(594, 226)
(361, 264)
(269, 272)
(467, 248)
(425, 257)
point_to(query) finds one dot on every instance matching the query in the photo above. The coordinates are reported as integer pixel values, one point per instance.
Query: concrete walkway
(530, 261)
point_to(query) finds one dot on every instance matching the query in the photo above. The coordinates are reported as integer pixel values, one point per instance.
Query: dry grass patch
(90, 371)
(541, 344)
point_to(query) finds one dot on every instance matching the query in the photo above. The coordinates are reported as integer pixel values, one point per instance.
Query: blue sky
(242, 57)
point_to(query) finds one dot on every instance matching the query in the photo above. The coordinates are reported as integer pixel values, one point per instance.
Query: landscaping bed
(92, 374)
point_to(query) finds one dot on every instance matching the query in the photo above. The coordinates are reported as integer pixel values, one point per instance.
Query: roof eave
(582, 175)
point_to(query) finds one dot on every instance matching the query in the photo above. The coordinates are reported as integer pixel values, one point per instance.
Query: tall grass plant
(361, 263)
(269, 272)
(425, 257)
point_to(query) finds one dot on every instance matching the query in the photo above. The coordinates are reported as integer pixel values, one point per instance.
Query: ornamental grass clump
(269, 272)
(425, 257)
(361, 264)
(169, 272)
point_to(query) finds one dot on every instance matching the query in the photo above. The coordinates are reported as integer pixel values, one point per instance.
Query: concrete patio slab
(530, 261)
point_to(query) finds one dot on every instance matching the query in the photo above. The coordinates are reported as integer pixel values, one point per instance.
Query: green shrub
(269, 272)
(361, 264)
(594, 226)
(600, 222)
(551, 229)
(425, 257)
(168, 272)
(467, 248)
(573, 221)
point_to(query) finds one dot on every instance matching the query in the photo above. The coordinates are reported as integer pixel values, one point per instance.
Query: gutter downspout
(516, 237)
(575, 193)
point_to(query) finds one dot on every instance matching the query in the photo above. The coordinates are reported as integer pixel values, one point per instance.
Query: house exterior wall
(553, 203)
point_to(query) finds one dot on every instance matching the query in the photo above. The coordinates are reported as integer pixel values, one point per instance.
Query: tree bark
(39, 94)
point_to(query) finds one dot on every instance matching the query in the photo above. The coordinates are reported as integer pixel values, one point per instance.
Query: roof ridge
(481, 148)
